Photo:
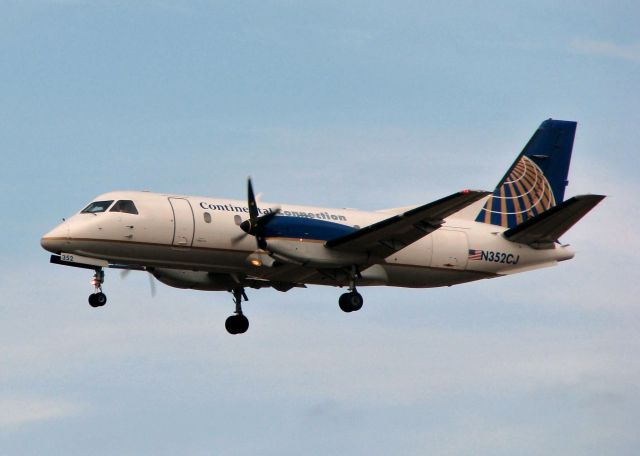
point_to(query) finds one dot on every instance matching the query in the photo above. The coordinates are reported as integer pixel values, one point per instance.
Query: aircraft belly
(423, 277)
(161, 255)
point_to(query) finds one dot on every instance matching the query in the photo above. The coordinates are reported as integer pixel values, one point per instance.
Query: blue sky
(358, 104)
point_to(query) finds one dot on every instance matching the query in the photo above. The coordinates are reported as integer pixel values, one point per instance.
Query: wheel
(101, 299)
(243, 324)
(97, 299)
(230, 325)
(355, 300)
(344, 303)
(351, 302)
(237, 324)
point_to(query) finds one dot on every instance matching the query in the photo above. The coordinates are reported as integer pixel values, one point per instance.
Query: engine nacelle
(313, 254)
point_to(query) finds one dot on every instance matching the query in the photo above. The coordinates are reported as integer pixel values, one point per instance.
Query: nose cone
(55, 240)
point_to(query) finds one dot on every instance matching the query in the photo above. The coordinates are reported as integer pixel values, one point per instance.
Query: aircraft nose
(55, 240)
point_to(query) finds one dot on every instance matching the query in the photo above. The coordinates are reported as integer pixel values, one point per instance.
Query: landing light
(259, 259)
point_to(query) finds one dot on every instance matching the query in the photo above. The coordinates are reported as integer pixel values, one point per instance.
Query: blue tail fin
(537, 179)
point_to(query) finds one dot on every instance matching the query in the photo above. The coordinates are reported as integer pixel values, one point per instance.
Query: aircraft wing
(395, 233)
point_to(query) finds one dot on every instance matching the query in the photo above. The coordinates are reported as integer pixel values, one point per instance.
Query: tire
(344, 303)
(237, 324)
(100, 299)
(355, 301)
(243, 324)
(230, 326)
(97, 299)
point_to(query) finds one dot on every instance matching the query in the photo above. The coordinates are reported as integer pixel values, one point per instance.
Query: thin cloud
(609, 49)
(19, 411)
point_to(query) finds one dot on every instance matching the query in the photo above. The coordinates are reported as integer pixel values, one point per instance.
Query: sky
(362, 104)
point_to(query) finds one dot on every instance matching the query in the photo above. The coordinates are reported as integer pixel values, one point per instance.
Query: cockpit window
(97, 206)
(126, 206)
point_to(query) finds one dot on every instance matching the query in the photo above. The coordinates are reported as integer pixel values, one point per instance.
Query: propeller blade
(261, 223)
(238, 238)
(253, 207)
(152, 285)
(255, 226)
(266, 218)
(256, 223)
(124, 273)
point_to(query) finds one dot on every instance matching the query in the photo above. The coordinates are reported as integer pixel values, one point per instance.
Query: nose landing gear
(98, 298)
(237, 323)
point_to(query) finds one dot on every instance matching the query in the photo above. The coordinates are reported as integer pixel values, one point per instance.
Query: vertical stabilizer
(537, 179)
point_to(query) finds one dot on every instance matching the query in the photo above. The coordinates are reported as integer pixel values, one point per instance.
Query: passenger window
(207, 217)
(96, 206)
(125, 206)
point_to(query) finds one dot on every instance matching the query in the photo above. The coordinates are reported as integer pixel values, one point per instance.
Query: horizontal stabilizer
(544, 229)
(395, 233)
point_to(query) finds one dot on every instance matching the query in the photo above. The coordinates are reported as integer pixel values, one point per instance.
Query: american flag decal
(475, 254)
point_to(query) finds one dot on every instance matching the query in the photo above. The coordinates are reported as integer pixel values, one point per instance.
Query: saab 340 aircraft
(217, 244)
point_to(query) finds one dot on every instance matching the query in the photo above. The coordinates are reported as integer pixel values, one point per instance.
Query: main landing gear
(352, 300)
(98, 298)
(237, 323)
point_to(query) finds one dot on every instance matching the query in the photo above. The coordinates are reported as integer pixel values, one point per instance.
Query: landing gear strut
(237, 323)
(352, 300)
(98, 298)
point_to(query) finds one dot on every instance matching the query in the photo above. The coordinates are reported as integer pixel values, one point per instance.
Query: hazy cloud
(629, 52)
(19, 411)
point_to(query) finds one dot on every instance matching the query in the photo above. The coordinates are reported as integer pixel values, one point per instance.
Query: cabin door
(183, 222)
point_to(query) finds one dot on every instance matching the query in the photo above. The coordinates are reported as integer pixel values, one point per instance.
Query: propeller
(256, 223)
(124, 273)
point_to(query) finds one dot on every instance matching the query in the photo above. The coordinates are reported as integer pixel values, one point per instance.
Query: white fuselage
(192, 235)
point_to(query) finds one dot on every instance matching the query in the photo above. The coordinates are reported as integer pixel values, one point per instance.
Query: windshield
(97, 206)
(126, 206)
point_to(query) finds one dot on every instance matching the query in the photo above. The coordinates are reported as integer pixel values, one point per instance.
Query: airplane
(218, 244)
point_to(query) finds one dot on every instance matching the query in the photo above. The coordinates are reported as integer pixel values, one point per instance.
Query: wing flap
(395, 233)
(544, 229)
